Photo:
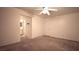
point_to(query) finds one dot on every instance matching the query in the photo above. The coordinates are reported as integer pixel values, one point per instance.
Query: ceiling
(61, 10)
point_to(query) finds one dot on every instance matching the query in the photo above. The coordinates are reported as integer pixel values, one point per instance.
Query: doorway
(26, 27)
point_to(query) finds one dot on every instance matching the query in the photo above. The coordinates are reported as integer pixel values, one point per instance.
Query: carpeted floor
(43, 43)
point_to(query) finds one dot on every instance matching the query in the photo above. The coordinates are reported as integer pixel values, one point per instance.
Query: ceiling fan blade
(48, 13)
(41, 12)
(52, 9)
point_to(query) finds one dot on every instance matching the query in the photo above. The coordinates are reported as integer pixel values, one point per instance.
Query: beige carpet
(43, 43)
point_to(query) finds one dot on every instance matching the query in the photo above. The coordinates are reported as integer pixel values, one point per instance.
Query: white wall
(9, 25)
(37, 26)
(64, 26)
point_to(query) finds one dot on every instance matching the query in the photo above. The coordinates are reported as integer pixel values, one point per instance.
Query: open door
(26, 27)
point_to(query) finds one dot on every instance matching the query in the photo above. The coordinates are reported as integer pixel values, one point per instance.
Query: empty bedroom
(39, 28)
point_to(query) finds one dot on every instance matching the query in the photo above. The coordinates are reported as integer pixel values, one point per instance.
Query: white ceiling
(61, 10)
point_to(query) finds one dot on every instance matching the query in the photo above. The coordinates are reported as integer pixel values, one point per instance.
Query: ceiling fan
(45, 10)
